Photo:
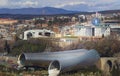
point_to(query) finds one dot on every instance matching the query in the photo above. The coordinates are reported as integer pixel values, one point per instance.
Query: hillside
(36, 11)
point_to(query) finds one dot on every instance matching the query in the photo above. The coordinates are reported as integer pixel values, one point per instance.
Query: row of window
(40, 33)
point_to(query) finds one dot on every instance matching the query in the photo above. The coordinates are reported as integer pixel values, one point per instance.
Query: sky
(76, 5)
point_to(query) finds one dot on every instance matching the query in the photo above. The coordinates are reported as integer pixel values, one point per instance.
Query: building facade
(86, 31)
(37, 33)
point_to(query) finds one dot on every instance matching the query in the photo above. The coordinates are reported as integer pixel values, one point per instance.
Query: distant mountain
(36, 11)
(109, 11)
(29, 13)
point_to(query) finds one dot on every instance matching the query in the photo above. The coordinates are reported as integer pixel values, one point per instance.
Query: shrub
(34, 45)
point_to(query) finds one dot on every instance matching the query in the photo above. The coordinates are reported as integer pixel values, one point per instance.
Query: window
(29, 35)
(40, 33)
(47, 33)
(93, 31)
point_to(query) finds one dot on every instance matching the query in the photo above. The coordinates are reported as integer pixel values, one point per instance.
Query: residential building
(37, 33)
(86, 31)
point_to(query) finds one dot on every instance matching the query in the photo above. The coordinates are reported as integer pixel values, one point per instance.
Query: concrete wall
(107, 63)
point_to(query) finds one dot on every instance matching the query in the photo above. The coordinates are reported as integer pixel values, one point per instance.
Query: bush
(34, 45)
(106, 47)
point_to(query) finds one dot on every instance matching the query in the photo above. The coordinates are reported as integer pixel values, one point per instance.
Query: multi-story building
(87, 31)
(36, 33)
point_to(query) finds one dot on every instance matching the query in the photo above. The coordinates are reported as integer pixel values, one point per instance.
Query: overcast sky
(66, 4)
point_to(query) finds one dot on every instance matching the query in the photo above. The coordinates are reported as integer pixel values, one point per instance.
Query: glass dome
(96, 21)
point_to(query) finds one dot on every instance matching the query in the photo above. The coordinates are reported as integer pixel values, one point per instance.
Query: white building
(3, 33)
(87, 31)
(36, 33)
(102, 31)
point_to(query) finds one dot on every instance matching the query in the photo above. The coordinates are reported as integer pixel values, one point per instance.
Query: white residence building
(86, 31)
(36, 33)
(89, 31)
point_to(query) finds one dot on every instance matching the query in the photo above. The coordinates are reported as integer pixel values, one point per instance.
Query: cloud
(3, 3)
(69, 3)
(28, 3)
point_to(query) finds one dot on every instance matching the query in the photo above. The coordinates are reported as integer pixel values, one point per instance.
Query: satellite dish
(96, 21)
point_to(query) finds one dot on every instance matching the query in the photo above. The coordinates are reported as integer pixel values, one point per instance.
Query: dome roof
(96, 21)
